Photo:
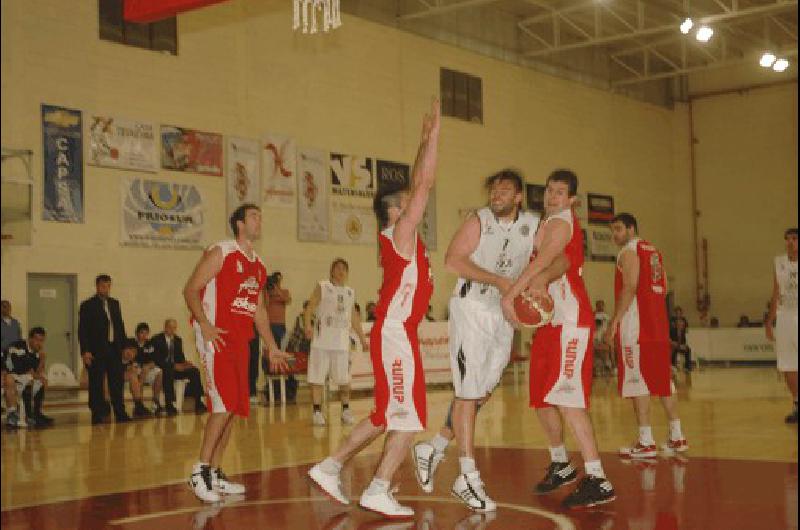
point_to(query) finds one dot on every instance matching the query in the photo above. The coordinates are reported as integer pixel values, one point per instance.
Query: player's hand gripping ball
(533, 311)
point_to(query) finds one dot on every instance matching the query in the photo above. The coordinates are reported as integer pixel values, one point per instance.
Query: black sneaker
(158, 410)
(171, 410)
(201, 408)
(791, 418)
(42, 420)
(590, 491)
(140, 411)
(558, 474)
(122, 418)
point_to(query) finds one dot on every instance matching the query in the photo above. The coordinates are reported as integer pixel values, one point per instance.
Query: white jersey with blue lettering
(333, 317)
(504, 249)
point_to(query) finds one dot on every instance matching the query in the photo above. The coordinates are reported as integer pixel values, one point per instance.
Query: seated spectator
(277, 298)
(149, 373)
(168, 355)
(370, 309)
(604, 355)
(130, 372)
(297, 343)
(10, 330)
(23, 364)
(678, 327)
(744, 322)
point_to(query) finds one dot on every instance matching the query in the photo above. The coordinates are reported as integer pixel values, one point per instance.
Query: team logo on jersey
(239, 267)
(398, 380)
(524, 230)
(570, 358)
(250, 285)
(655, 267)
(489, 230)
(629, 357)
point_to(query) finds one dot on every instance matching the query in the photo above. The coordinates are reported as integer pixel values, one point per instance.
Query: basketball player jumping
(641, 327)
(781, 324)
(403, 299)
(561, 353)
(488, 252)
(224, 295)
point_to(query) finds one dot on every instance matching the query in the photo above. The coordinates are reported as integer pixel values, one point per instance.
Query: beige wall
(363, 89)
(746, 154)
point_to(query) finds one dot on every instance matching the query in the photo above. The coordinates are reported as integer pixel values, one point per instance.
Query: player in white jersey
(783, 316)
(332, 309)
(489, 251)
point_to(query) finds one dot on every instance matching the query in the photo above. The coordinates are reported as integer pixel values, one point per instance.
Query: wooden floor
(727, 413)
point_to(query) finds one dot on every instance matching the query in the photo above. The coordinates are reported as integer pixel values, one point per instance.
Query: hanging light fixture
(686, 26)
(704, 33)
(780, 65)
(767, 59)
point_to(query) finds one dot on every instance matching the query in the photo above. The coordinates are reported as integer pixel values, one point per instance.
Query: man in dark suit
(101, 332)
(168, 355)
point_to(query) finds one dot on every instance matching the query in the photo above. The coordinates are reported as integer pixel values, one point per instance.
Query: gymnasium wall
(746, 154)
(241, 71)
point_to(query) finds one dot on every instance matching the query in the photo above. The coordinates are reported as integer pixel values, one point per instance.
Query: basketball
(533, 312)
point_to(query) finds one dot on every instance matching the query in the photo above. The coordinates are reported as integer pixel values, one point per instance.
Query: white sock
(467, 464)
(559, 454)
(646, 435)
(378, 486)
(439, 443)
(330, 466)
(675, 430)
(595, 469)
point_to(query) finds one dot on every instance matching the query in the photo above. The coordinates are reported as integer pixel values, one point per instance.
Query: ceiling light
(767, 59)
(780, 65)
(686, 26)
(704, 33)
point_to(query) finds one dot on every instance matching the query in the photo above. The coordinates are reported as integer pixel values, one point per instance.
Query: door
(51, 305)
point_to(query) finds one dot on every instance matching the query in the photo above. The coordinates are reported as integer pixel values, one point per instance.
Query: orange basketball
(533, 312)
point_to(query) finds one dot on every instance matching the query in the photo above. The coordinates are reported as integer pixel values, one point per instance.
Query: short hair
(384, 200)
(338, 261)
(239, 214)
(170, 319)
(129, 343)
(790, 232)
(102, 278)
(4, 302)
(508, 175)
(141, 326)
(37, 330)
(628, 220)
(567, 177)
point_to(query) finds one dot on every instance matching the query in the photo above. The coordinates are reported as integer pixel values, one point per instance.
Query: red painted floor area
(695, 493)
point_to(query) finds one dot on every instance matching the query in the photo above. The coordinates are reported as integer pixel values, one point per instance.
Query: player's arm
(423, 176)
(458, 258)
(555, 237)
(205, 270)
(773, 308)
(277, 358)
(629, 266)
(311, 308)
(40, 369)
(355, 325)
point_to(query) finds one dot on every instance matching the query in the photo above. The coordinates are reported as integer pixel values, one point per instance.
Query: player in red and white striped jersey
(224, 295)
(403, 300)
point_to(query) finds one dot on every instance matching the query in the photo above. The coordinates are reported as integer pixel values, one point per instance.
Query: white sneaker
(318, 420)
(347, 417)
(254, 400)
(426, 459)
(222, 485)
(201, 483)
(330, 484)
(385, 504)
(469, 489)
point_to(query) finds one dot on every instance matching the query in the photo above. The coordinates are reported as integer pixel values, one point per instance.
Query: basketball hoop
(305, 11)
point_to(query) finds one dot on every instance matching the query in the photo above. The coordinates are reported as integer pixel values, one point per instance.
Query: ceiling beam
(774, 7)
(444, 9)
